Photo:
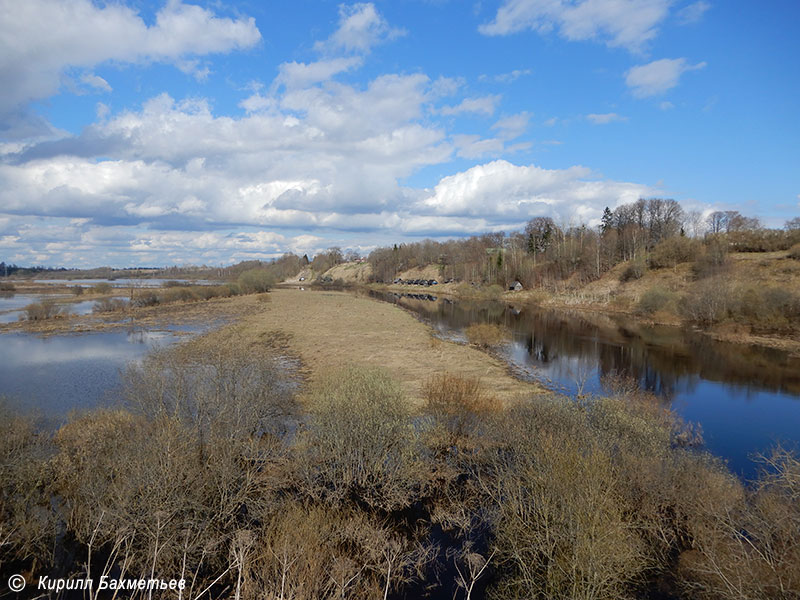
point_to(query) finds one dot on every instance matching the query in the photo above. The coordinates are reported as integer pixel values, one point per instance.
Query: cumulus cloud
(34, 55)
(360, 28)
(485, 105)
(96, 82)
(693, 13)
(659, 76)
(605, 118)
(299, 75)
(618, 23)
(502, 191)
(512, 126)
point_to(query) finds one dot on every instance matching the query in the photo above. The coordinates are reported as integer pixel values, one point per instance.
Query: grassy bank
(329, 330)
(749, 298)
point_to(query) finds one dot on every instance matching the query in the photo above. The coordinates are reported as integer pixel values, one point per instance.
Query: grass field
(329, 330)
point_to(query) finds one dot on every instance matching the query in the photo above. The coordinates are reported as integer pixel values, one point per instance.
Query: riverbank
(327, 331)
(655, 296)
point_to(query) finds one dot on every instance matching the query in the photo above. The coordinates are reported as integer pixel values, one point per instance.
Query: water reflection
(54, 375)
(745, 397)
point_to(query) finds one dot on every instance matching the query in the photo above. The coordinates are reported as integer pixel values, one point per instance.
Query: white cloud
(603, 119)
(666, 105)
(501, 191)
(35, 54)
(619, 23)
(360, 28)
(509, 77)
(483, 105)
(472, 146)
(693, 13)
(298, 75)
(658, 76)
(96, 82)
(512, 126)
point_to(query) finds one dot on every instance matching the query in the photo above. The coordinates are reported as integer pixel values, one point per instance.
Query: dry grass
(486, 335)
(331, 330)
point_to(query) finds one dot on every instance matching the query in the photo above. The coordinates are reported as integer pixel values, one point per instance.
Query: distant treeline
(655, 232)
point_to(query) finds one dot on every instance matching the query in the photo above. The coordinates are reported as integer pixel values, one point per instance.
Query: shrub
(77, 290)
(794, 252)
(27, 523)
(749, 547)
(673, 251)
(707, 302)
(771, 308)
(359, 442)
(145, 298)
(102, 288)
(564, 527)
(109, 305)
(255, 281)
(486, 335)
(7, 286)
(46, 309)
(635, 269)
(458, 405)
(227, 390)
(714, 260)
(176, 294)
(654, 299)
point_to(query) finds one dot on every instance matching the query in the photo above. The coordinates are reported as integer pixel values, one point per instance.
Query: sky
(138, 133)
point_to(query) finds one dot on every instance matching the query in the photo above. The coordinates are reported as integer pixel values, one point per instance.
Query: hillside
(753, 297)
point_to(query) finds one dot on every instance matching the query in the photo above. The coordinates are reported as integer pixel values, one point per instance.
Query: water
(11, 305)
(54, 375)
(126, 282)
(745, 398)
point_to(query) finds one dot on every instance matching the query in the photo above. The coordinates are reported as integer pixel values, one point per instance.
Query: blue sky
(154, 133)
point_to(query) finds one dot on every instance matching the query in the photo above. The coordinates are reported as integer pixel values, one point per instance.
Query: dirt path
(328, 330)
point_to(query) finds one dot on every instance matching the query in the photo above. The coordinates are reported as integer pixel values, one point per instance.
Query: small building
(516, 286)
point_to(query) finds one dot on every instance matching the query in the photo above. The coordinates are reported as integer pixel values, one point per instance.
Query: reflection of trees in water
(665, 360)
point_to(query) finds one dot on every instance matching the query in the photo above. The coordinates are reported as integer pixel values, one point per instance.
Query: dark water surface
(54, 375)
(746, 398)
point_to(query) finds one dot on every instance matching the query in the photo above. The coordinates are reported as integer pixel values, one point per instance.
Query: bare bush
(707, 302)
(673, 251)
(458, 405)
(750, 547)
(109, 305)
(102, 288)
(46, 309)
(224, 390)
(359, 442)
(655, 299)
(486, 335)
(256, 280)
(634, 270)
(564, 529)
(27, 530)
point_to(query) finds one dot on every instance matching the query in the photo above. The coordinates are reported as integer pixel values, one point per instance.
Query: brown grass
(331, 330)
(486, 335)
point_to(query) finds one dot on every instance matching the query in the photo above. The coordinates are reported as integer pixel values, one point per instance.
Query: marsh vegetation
(214, 470)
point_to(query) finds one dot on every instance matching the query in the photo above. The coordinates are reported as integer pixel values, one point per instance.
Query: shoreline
(731, 333)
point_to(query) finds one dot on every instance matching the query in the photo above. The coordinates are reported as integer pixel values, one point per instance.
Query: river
(745, 398)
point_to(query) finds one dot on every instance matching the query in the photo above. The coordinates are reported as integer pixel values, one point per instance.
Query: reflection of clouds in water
(29, 351)
(57, 374)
